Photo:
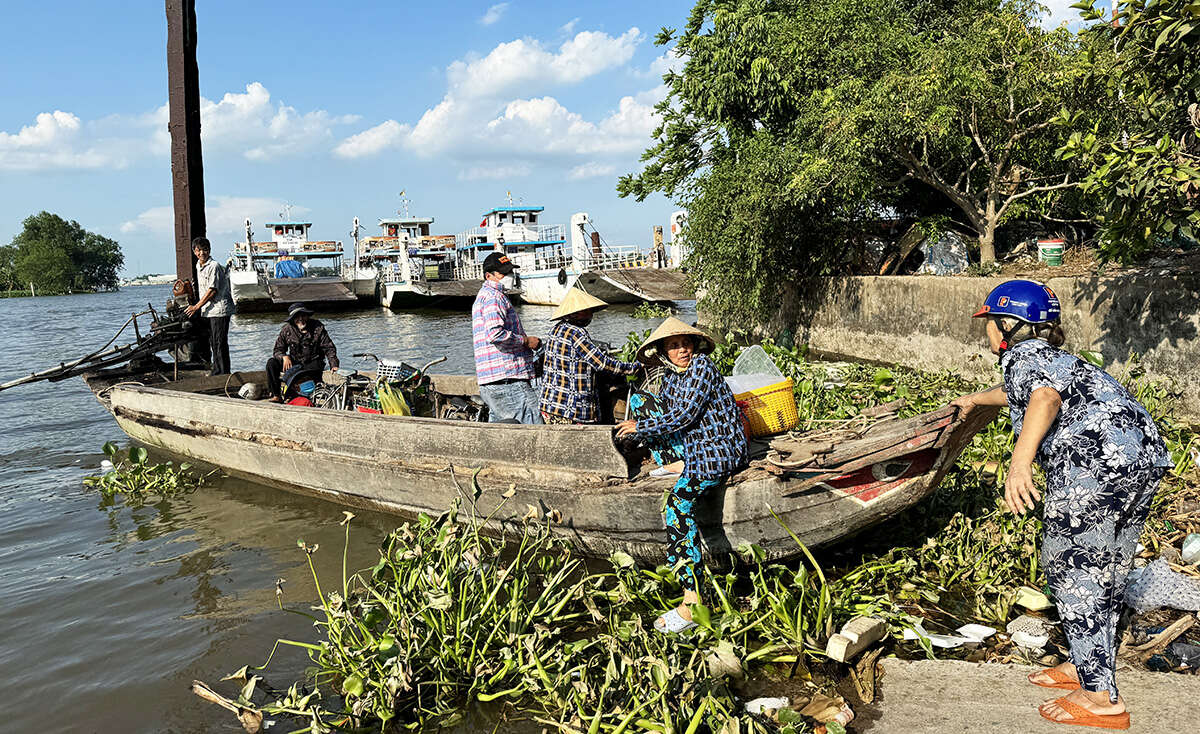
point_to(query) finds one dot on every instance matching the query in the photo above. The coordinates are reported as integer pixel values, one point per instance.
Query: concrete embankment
(951, 696)
(925, 322)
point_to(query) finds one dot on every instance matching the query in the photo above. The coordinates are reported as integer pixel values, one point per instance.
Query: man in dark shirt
(302, 341)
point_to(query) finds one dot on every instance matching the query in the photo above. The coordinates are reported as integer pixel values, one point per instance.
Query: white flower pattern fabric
(1103, 458)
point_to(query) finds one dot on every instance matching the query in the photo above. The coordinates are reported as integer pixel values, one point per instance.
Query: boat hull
(573, 474)
(449, 294)
(622, 285)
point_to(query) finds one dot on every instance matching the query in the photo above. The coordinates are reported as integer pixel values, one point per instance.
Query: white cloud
(53, 141)
(489, 112)
(569, 27)
(248, 123)
(373, 140)
(591, 170)
(494, 173)
(225, 217)
(493, 13)
(1058, 12)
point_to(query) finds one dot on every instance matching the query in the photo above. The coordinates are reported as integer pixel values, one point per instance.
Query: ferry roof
(284, 224)
(408, 220)
(514, 209)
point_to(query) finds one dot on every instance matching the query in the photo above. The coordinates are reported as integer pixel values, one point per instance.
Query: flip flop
(671, 622)
(1082, 717)
(1059, 678)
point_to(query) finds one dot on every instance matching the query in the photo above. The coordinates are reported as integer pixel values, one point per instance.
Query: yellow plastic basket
(770, 409)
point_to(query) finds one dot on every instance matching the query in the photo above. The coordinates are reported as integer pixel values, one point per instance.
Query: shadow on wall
(1156, 315)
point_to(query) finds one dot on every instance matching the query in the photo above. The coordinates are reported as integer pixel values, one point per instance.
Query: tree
(60, 256)
(795, 127)
(8, 268)
(1145, 169)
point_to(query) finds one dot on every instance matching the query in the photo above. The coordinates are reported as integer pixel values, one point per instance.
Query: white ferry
(415, 268)
(322, 278)
(550, 264)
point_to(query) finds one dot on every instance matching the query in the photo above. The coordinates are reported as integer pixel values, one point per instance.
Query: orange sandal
(1082, 717)
(1059, 678)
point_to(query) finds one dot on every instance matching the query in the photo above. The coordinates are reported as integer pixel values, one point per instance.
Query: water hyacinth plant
(451, 620)
(135, 478)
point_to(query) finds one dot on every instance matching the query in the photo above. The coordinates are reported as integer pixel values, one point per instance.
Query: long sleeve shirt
(569, 374)
(305, 346)
(699, 405)
(499, 340)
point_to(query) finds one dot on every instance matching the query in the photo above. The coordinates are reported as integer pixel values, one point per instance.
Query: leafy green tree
(8, 268)
(796, 126)
(1145, 165)
(60, 256)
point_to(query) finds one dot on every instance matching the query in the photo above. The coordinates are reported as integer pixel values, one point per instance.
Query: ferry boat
(414, 267)
(550, 265)
(327, 283)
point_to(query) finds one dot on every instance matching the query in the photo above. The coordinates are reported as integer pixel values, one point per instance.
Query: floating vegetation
(133, 477)
(450, 618)
(451, 622)
(647, 310)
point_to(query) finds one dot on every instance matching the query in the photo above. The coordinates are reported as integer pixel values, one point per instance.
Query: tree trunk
(987, 245)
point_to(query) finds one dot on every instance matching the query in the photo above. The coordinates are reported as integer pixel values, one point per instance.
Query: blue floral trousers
(682, 533)
(1091, 528)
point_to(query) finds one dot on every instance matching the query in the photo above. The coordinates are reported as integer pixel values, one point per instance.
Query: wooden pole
(187, 168)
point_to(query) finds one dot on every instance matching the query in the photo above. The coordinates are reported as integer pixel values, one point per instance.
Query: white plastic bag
(753, 369)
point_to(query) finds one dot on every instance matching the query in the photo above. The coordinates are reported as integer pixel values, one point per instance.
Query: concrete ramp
(637, 284)
(955, 697)
(310, 290)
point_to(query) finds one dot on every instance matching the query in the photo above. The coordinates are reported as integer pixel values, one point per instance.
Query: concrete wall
(925, 322)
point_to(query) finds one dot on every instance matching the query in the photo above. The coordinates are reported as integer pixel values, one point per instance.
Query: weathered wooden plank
(183, 102)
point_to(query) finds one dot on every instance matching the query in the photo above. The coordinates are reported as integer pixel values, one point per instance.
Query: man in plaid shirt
(503, 353)
(572, 361)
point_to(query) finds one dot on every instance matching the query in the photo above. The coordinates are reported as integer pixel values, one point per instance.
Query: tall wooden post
(187, 168)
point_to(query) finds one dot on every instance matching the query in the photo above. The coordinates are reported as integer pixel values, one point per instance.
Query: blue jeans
(511, 401)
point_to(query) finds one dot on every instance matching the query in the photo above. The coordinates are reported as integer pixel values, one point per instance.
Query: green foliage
(646, 310)
(1144, 162)
(794, 126)
(449, 616)
(58, 256)
(139, 481)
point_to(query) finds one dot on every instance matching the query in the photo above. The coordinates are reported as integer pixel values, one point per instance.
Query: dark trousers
(218, 339)
(275, 367)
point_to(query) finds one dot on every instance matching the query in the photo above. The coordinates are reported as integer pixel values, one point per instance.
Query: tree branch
(1065, 183)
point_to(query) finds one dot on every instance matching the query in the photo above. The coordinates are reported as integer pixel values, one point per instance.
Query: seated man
(286, 267)
(302, 341)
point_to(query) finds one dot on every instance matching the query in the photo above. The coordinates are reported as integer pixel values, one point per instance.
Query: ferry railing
(512, 233)
(469, 271)
(612, 258)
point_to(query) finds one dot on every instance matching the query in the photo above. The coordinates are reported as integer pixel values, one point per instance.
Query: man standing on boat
(503, 353)
(302, 341)
(287, 267)
(215, 304)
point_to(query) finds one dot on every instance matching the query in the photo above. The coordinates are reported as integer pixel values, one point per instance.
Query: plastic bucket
(1051, 252)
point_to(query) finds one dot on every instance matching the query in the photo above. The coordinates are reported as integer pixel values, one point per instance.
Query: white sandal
(672, 622)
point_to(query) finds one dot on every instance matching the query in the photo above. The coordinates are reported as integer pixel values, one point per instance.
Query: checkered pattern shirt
(699, 405)
(500, 351)
(569, 373)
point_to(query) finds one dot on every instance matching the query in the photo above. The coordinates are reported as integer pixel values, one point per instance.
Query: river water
(108, 612)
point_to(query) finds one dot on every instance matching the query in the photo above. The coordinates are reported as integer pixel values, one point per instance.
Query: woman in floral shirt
(696, 418)
(1103, 459)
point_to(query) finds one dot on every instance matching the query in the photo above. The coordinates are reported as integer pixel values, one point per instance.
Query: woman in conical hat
(572, 361)
(695, 418)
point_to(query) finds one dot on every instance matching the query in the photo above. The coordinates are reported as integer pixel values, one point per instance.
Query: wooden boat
(574, 475)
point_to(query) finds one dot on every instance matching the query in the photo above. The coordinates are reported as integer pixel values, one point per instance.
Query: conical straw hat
(674, 327)
(577, 301)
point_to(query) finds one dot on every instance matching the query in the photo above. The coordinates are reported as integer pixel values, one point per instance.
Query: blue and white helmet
(1024, 300)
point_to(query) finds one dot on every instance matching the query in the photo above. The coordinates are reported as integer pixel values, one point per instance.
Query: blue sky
(333, 108)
